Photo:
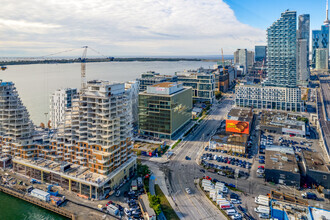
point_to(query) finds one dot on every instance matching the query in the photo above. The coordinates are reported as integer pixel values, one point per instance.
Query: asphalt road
(182, 172)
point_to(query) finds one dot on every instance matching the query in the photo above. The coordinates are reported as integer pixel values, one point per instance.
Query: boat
(3, 68)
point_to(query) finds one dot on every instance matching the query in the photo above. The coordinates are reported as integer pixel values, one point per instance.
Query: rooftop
(275, 160)
(314, 161)
(241, 114)
(282, 119)
(165, 89)
(231, 139)
(165, 85)
(318, 214)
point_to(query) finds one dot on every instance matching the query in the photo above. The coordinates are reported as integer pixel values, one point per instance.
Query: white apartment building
(101, 115)
(59, 102)
(269, 97)
(94, 140)
(245, 58)
(15, 123)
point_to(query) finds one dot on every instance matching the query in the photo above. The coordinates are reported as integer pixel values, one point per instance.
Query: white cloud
(126, 27)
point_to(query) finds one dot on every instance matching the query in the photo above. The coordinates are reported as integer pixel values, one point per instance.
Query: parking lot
(234, 203)
(126, 199)
(297, 143)
(226, 164)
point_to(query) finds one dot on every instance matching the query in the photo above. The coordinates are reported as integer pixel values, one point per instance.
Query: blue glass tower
(281, 51)
(260, 53)
(320, 39)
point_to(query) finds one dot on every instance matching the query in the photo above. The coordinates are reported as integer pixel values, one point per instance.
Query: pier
(39, 203)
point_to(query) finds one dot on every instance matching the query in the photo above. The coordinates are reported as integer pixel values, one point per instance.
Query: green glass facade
(163, 115)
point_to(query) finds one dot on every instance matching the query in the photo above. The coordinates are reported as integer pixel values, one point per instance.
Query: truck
(309, 195)
(139, 181)
(52, 193)
(33, 181)
(134, 185)
(262, 209)
(262, 202)
(263, 197)
(225, 205)
(113, 210)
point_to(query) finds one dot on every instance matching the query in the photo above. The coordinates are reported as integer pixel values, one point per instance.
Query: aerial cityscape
(151, 125)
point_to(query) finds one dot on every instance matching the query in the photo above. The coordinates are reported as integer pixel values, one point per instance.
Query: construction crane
(223, 67)
(83, 68)
(223, 61)
(261, 71)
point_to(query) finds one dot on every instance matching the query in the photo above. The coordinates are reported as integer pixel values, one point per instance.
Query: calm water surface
(36, 82)
(12, 208)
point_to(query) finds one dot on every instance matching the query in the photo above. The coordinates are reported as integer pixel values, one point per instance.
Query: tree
(217, 94)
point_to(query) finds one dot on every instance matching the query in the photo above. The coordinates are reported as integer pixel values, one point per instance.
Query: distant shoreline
(93, 60)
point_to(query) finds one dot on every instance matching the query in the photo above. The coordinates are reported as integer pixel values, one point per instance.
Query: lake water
(12, 208)
(35, 83)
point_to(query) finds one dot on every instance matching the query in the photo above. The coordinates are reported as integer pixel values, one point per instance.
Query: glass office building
(303, 31)
(260, 53)
(164, 109)
(321, 59)
(320, 39)
(281, 51)
(202, 84)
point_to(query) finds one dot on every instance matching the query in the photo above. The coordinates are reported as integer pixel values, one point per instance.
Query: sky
(143, 27)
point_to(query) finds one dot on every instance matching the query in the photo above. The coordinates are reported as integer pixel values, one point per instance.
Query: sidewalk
(160, 181)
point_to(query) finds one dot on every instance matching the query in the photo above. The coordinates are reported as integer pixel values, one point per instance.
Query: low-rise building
(281, 166)
(239, 120)
(202, 84)
(315, 170)
(282, 123)
(164, 109)
(229, 142)
(151, 78)
(269, 97)
(317, 213)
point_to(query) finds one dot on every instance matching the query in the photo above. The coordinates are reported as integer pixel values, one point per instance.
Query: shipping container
(42, 195)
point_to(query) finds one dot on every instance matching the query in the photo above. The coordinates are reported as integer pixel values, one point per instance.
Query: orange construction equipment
(42, 125)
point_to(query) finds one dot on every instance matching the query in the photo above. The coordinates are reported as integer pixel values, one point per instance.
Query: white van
(262, 209)
(231, 212)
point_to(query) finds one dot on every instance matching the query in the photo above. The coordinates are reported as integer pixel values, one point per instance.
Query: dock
(39, 203)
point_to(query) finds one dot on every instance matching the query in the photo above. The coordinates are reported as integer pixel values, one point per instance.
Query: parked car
(187, 190)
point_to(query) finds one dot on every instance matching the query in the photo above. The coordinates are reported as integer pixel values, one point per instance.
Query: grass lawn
(176, 143)
(165, 205)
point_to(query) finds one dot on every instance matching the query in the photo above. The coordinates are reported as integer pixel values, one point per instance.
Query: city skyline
(137, 29)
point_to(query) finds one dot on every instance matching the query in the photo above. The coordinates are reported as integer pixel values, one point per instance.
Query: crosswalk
(285, 187)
